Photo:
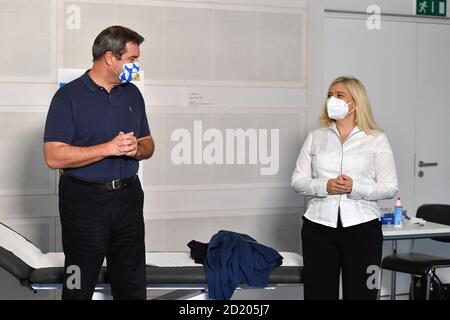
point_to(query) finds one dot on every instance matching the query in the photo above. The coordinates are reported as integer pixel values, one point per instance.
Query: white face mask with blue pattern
(130, 72)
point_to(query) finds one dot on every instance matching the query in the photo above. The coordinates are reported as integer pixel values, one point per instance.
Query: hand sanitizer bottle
(398, 212)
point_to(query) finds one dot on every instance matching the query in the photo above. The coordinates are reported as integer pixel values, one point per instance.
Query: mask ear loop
(117, 75)
(112, 68)
(353, 101)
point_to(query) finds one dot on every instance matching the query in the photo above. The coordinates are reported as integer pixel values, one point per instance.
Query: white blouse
(367, 159)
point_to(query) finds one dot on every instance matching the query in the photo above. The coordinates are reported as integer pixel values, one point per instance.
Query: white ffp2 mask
(337, 108)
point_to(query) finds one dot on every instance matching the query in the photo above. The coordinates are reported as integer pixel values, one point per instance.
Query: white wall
(230, 64)
(396, 7)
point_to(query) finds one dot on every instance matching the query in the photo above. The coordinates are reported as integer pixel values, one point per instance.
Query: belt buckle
(116, 184)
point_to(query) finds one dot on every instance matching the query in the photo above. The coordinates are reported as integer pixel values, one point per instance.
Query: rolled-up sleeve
(301, 180)
(385, 185)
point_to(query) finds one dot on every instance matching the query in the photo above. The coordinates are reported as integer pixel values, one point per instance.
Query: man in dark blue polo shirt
(97, 132)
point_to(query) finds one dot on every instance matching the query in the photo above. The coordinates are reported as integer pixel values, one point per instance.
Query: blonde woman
(344, 167)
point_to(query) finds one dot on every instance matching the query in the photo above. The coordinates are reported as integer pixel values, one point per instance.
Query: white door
(432, 181)
(387, 67)
(406, 68)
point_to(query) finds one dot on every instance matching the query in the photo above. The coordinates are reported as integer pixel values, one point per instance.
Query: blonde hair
(364, 117)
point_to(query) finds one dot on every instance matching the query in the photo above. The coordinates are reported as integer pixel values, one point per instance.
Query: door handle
(429, 164)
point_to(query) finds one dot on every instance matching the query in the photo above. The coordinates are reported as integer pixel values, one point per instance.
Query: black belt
(110, 185)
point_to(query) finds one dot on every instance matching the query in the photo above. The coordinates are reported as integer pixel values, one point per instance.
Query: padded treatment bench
(174, 271)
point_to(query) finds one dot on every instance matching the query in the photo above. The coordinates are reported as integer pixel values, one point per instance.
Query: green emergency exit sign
(431, 8)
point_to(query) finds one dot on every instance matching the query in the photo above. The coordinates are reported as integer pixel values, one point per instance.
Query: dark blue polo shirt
(84, 114)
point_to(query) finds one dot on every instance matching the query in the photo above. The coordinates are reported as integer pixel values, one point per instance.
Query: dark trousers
(98, 223)
(328, 251)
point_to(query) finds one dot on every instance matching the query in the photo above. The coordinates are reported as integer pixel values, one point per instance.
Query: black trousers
(329, 251)
(99, 223)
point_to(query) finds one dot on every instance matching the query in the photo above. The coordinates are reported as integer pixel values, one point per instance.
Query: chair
(418, 263)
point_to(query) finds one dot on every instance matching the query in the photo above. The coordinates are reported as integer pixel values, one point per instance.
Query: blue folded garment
(234, 258)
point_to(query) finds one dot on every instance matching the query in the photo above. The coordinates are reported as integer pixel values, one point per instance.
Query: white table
(409, 231)
(413, 231)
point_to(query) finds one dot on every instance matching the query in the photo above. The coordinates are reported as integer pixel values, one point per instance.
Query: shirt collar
(334, 128)
(91, 85)
(88, 82)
